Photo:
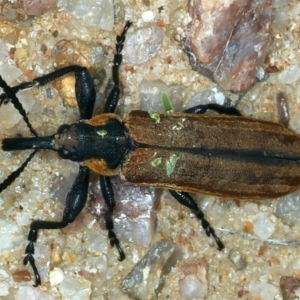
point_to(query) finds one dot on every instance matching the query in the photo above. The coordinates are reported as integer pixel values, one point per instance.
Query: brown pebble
(23, 275)
(262, 250)
(248, 227)
(274, 260)
(289, 287)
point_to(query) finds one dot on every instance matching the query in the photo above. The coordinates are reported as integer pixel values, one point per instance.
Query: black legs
(109, 199)
(84, 90)
(75, 202)
(220, 109)
(76, 199)
(186, 200)
(113, 98)
(109, 107)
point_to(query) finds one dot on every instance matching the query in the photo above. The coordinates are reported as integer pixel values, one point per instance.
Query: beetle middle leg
(108, 195)
(75, 202)
(186, 200)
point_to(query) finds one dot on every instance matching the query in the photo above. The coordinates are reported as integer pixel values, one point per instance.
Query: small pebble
(75, 288)
(289, 75)
(56, 276)
(32, 293)
(99, 14)
(148, 16)
(38, 7)
(288, 208)
(262, 227)
(236, 258)
(142, 44)
(146, 276)
(212, 95)
(194, 285)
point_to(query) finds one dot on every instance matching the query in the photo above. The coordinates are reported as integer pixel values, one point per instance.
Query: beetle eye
(63, 128)
(63, 153)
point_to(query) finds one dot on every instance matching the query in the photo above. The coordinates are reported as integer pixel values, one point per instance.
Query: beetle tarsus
(114, 241)
(30, 259)
(218, 241)
(29, 251)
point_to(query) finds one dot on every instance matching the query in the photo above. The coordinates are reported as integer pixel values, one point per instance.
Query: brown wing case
(233, 157)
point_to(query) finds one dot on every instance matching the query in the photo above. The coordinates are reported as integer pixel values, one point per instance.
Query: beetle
(227, 154)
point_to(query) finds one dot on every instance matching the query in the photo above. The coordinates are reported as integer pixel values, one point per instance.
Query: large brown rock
(228, 40)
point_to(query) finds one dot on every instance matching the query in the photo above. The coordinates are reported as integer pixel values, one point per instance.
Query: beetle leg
(220, 109)
(84, 89)
(108, 195)
(113, 98)
(75, 202)
(186, 200)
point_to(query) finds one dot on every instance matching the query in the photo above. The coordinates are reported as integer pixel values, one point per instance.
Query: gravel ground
(78, 258)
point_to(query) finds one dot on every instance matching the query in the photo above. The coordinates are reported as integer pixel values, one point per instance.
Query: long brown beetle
(226, 155)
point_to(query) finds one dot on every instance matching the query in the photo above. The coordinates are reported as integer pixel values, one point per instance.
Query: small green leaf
(156, 162)
(102, 133)
(166, 102)
(154, 115)
(171, 163)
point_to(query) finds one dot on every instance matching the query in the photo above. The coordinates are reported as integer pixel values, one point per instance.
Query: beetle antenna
(9, 93)
(15, 174)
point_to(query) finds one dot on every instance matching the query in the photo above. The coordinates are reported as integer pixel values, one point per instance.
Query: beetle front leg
(75, 202)
(108, 195)
(113, 98)
(186, 200)
(84, 89)
(220, 109)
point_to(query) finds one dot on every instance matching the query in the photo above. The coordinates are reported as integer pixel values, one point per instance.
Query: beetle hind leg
(220, 109)
(75, 202)
(109, 199)
(186, 200)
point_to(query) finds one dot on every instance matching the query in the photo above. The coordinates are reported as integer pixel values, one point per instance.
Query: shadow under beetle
(227, 155)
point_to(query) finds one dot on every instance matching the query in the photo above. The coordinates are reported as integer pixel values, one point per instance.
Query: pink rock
(134, 216)
(194, 284)
(228, 42)
(38, 7)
